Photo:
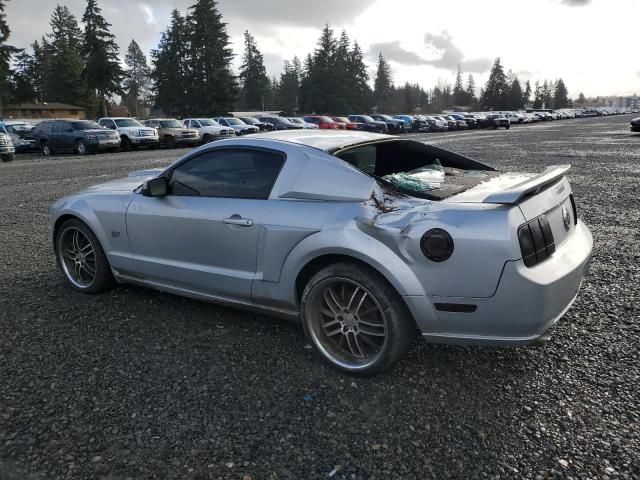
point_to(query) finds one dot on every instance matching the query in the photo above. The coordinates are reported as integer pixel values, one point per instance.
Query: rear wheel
(82, 259)
(355, 319)
(46, 149)
(7, 157)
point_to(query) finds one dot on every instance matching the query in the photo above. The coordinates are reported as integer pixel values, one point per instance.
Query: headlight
(436, 244)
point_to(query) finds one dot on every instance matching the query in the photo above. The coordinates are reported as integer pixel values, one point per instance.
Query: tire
(169, 142)
(125, 144)
(206, 139)
(81, 148)
(81, 278)
(508, 127)
(356, 343)
(8, 157)
(46, 149)
(153, 147)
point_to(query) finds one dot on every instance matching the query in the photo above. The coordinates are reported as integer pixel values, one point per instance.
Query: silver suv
(132, 133)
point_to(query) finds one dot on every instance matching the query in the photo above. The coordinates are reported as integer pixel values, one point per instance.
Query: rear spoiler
(517, 192)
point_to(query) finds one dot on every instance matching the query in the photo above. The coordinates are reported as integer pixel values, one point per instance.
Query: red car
(349, 125)
(324, 122)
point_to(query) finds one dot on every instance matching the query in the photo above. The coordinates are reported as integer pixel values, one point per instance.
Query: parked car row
(125, 133)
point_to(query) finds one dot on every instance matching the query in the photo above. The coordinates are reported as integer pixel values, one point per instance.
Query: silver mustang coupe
(362, 237)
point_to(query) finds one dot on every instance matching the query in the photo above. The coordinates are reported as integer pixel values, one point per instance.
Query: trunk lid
(545, 194)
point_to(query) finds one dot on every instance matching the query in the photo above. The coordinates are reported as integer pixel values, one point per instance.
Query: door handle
(238, 220)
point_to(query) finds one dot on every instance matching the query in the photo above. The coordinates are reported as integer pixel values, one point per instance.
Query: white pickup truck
(208, 129)
(132, 133)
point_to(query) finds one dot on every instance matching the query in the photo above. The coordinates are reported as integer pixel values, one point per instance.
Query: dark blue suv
(80, 136)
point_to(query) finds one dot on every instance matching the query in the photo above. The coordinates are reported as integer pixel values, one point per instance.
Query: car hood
(97, 131)
(128, 184)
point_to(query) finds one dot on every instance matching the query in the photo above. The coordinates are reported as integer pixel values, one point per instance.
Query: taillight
(536, 241)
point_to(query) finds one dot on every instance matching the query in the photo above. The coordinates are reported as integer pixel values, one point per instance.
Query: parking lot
(140, 384)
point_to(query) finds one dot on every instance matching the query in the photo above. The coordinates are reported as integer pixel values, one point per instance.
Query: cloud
(451, 56)
(575, 3)
(394, 52)
(448, 55)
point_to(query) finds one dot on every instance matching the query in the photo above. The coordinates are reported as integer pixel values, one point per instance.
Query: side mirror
(156, 187)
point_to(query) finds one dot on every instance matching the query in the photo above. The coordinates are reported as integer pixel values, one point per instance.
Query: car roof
(325, 140)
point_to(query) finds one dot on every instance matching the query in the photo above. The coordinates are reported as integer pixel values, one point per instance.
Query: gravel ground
(139, 384)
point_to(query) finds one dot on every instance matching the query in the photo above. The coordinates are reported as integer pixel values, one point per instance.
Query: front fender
(105, 216)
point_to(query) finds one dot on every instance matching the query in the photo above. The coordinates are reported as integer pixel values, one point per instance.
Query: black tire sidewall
(104, 277)
(401, 326)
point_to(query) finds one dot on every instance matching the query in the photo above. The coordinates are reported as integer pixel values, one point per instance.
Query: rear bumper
(525, 305)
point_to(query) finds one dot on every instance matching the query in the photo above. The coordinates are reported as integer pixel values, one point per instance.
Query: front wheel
(355, 319)
(46, 149)
(81, 258)
(7, 157)
(81, 148)
(508, 127)
(169, 141)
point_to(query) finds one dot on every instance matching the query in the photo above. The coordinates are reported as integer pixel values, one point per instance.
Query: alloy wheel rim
(77, 257)
(348, 324)
(81, 148)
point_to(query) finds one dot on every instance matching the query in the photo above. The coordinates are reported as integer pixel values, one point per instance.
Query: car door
(203, 235)
(56, 138)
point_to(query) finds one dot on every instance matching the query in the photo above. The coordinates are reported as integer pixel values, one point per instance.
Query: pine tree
(38, 68)
(538, 99)
(212, 85)
(137, 83)
(561, 95)
(102, 74)
(547, 94)
(460, 96)
(255, 85)
(319, 89)
(6, 52)
(471, 90)
(358, 81)
(289, 87)
(496, 90)
(22, 85)
(170, 70)
(515, 95)
(581, 99)
(383, 85)
(65, 64)
(526, 96)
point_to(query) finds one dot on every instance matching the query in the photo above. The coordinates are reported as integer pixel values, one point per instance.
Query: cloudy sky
(591, 44)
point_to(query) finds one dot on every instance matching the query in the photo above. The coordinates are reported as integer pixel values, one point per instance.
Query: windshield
(367, 118)
(85, 125)
(205, 122)
(385, 117)
(170, 124)
(296, 120)
(234, 121)
(250, 120)
(127, 122)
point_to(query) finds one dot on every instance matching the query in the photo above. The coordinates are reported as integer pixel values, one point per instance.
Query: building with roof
(44, 110)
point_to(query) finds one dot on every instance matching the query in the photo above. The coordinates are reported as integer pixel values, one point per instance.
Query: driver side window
(227, 173)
